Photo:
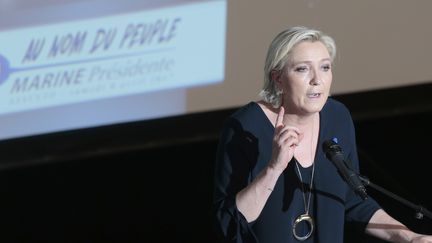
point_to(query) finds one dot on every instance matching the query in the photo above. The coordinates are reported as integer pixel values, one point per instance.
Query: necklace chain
(306, 205)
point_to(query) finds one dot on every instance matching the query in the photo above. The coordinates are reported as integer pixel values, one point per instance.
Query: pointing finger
(279, 119)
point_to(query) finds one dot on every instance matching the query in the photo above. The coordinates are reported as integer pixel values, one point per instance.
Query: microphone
(334, 153)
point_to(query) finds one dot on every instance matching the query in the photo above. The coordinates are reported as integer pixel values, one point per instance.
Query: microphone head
(331, 146)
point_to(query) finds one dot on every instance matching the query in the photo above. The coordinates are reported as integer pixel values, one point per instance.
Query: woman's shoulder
(334, 106)
(247, 111)
(249, 115)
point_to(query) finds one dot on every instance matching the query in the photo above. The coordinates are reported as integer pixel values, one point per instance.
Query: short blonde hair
(278, 55)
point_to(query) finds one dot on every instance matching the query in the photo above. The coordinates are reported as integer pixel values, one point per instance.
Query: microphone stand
(420, 210)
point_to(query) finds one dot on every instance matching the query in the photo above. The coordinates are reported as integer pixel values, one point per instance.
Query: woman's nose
(315, 79)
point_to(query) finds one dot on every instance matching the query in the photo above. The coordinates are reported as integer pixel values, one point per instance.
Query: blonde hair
(279, 52)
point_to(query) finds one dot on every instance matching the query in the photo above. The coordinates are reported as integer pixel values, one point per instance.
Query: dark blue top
(245, 149)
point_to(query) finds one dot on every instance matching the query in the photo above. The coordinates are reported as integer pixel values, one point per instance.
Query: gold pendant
(299, 219)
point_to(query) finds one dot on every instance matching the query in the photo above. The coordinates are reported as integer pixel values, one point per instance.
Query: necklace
(305, 217)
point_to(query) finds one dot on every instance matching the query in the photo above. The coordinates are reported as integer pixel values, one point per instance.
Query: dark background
(152, 181)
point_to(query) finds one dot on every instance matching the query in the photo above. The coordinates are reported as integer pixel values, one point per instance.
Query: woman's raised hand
(285, 140)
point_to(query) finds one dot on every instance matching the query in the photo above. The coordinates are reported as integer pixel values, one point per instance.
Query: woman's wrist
(272, 174)
(273, 171)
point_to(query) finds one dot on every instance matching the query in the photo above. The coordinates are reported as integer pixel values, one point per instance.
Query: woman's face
(306, 78)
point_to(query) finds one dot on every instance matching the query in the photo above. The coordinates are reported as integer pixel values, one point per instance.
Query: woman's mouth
(313, 95)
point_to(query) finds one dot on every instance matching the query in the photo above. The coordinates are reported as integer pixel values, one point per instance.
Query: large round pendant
(308, 219)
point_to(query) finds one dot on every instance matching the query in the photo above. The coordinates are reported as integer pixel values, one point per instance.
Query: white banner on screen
(133, 63)
(112, 56)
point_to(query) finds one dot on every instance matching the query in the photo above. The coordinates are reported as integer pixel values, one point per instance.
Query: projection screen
(67, 65)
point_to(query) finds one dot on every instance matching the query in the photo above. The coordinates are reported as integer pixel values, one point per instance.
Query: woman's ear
(275, 77)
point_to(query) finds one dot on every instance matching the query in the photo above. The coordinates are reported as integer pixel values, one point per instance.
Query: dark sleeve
(231, 175)
(358, 211)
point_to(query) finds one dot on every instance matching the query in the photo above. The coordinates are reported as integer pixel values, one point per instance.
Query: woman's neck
(290, 118)
(301, 121)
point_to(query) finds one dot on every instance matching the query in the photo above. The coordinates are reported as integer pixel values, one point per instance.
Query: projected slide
(107, 68)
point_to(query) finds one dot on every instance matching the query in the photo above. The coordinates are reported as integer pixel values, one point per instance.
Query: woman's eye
(326, 67)
(301, 69)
